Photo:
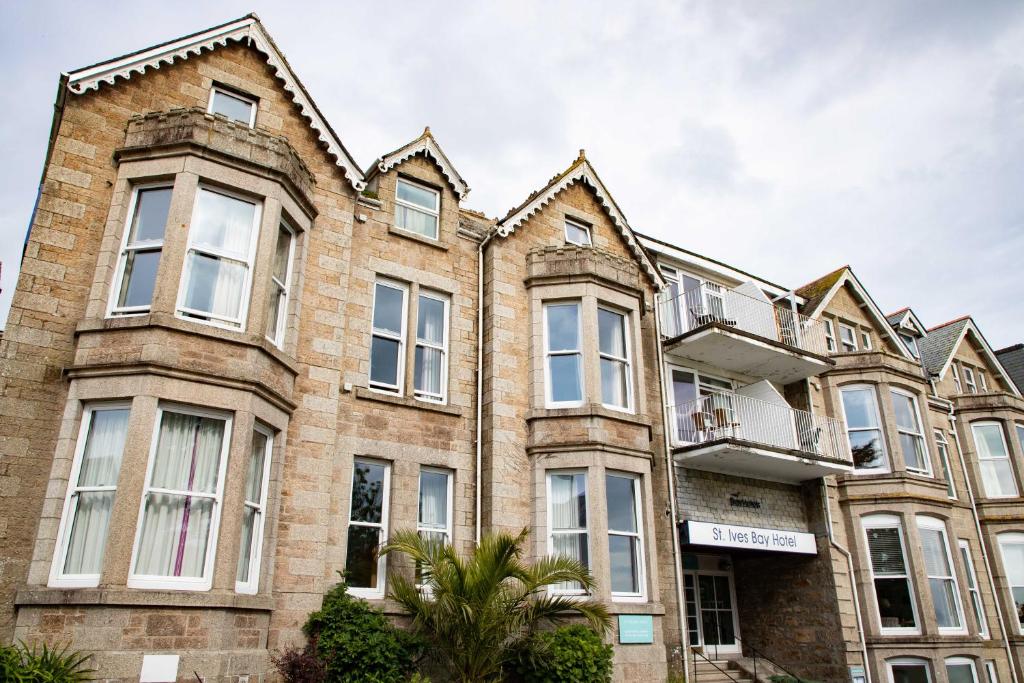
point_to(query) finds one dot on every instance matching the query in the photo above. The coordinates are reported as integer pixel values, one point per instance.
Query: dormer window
(233, 105)
(911, 343)
(417, 208)
(577, 233)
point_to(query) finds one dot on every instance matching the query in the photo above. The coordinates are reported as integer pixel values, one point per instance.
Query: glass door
(684, 396)
(711, 613)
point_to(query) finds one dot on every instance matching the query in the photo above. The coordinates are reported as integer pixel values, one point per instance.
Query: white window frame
(579, 226)
(990, 671)
(962, 661)
(973, 588)
(442, 397)
(450, 477)
(969, 382)
(956, 378)
(1008, 458)
(936, 524)
(865, 338)
(283, 288)
(238, 324)
(910, 342)
(586, 530)
(638, 511)
(982, 381)
(942, 445)
(382, 564)
(843, 342)
(927, 471)
(908, 661)
(435, 212)
(252, 586)
(626, 360)
(238, 96)
(891, 522)
(58, 579)
(205, 582)
(398, 389)
(830, 336)
(549, 402)
(873, 389)
(1004, 539)
(113, 310)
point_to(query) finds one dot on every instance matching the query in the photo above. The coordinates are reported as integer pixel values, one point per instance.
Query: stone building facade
(236, 362)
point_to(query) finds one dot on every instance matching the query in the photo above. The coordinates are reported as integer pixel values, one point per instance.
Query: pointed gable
(426, 145)
(247, 30)
(843, 282)
(581, 172)
(944, 342)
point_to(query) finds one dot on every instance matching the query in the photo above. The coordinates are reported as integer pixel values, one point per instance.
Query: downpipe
(480, 384)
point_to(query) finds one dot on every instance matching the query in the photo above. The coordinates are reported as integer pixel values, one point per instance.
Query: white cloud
(787, 139)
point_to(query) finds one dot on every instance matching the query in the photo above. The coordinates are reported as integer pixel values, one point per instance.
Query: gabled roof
(1012, 360)
(580, 172)
(246, 30)
(943, 340)
(906, 318)
(819, 292)
(426, 145)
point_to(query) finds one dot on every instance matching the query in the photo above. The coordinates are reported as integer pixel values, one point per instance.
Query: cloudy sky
(784, 138)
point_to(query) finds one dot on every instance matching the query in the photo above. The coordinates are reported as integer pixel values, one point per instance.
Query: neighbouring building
(236, 362)
(1012, 358)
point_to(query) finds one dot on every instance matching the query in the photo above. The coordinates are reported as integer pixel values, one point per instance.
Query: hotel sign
(750, 538)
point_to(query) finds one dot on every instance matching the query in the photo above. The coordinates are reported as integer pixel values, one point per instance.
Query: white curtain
(254, 499)
(175, 527)
(612, 342)
(433, 513)
(223, 224)
(416, 221)
(101, 463)
(428, 370)
(429, 330)
(569, 514)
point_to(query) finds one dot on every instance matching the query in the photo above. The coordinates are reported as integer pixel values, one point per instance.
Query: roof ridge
(950, 322)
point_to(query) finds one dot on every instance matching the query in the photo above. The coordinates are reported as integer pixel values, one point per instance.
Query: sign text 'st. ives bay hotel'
(225, 331)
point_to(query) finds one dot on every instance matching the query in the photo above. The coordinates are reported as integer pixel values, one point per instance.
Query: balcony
(742, 331)
(730, 433)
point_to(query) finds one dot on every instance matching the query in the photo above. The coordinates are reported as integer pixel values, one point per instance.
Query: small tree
(476, 612)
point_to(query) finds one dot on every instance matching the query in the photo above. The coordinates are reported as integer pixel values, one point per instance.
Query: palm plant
(476, 611)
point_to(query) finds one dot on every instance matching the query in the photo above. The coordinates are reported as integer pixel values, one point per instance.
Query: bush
(786, 678)
(299, 666)
(570, 654)
(22, 664)
(357, 643)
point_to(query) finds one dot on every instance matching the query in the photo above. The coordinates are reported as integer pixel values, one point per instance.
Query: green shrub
(23, 664)
(570, 654)
(358, 643)
(786, 678)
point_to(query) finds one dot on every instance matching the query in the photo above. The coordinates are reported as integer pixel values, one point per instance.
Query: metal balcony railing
(710, 303)
(727, 415)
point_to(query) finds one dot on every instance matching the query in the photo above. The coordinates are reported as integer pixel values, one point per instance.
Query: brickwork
(705, 496)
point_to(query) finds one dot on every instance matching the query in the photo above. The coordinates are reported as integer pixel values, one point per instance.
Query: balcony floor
(728, 348)
(739, 458)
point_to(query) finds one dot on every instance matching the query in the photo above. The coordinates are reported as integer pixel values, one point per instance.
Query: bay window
(613, 346)
(431, 361)
(177, 534)
(938, 563)
(1011, 548)
(218, 265)
(254, 509)
(893, 588)
(625, 536)
(911, 435)
(567, 522)
(417, 208)
(140, 253)
(563, 361)
(973, 588)
(280, 280)
(994, 460)
(85, 521)
(387, 345)
(860, 407)
(367, 528)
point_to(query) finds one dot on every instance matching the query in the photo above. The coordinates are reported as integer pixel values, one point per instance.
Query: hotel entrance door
(711, 612)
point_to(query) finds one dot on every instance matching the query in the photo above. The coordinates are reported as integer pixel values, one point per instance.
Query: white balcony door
(684, 395)
(712, 619)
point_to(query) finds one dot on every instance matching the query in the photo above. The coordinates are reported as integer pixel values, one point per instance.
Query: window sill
(593, 410)
(128, 597)
(430, 242)
(406, 401)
